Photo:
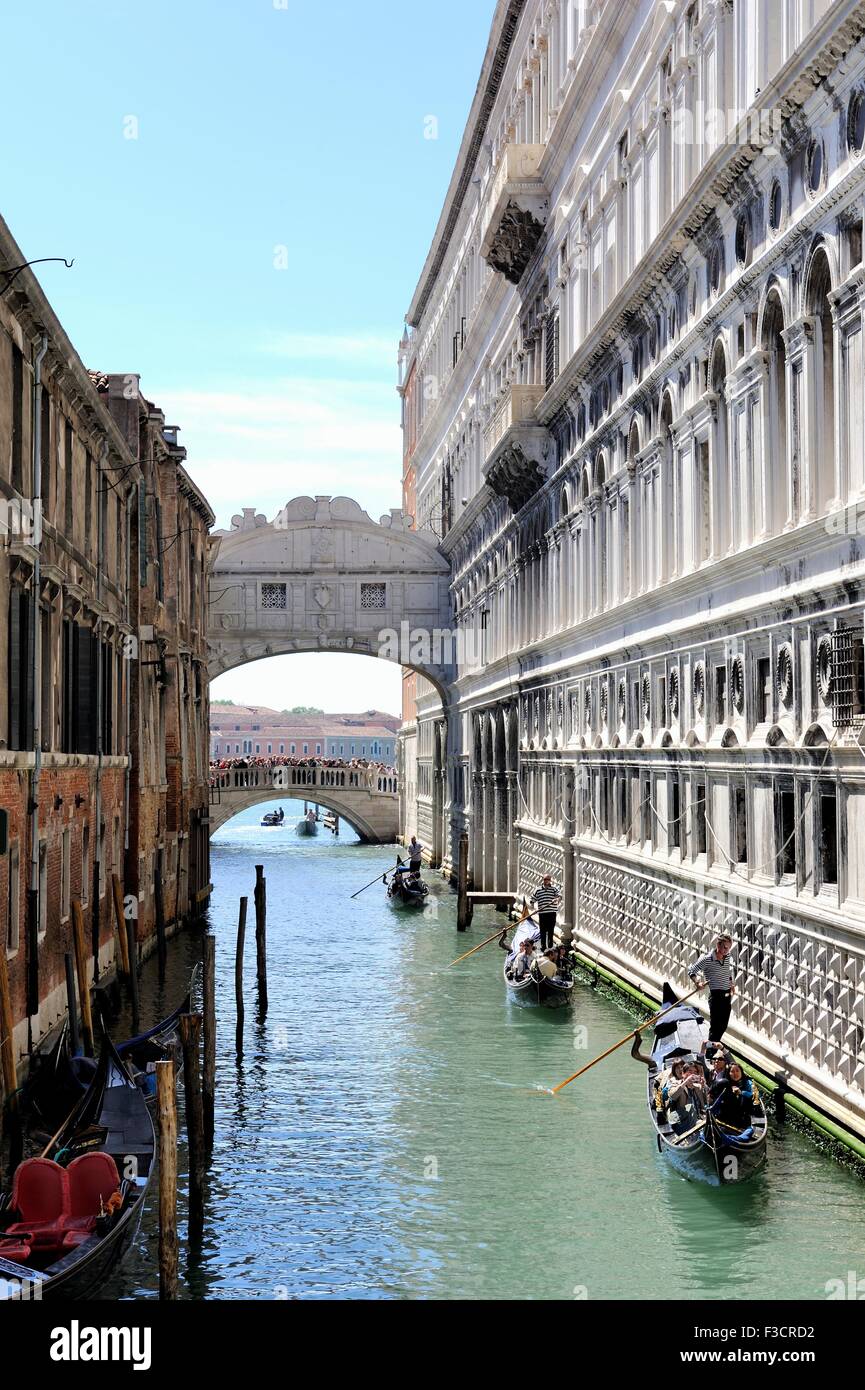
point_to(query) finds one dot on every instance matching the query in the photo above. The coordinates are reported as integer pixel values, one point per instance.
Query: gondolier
(547, 899)
(415, 855)
(716, 970)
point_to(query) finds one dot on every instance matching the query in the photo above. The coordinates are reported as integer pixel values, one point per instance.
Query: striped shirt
(718, 973)
(546, 898)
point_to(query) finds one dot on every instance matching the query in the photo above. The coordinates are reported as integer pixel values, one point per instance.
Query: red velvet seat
(93, 1179)
(40, 1195)
(18, 1248)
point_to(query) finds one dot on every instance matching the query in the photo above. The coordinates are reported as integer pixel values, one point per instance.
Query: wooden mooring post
(209, 1085)
(83, 983)
(261, 936)
(464, 906)
(132, 950)
(71, 1007)
(190, 1037)
(166, 1115)
(238, 975)
(120, 921)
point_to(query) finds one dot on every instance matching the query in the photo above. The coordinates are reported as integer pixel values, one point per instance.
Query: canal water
(386, 1134)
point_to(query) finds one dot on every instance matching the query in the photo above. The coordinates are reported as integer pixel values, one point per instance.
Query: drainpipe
(100, 564)
(36, 665)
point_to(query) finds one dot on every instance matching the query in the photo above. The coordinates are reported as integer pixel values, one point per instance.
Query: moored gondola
(58, 1079)
(544, 984)
(695, 1140)
(70, 1219)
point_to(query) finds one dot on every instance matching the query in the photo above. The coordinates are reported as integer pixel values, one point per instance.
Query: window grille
(844, 677)
(552, 351)
(373, 595)
(273, 596)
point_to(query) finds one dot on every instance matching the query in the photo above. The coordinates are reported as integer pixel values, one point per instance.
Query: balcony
(516, 447)
(516, 211)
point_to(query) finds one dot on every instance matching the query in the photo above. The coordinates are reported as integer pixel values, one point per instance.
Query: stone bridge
(323, 576)
(366, 798)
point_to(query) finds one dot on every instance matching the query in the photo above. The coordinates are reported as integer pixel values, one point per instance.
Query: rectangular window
(740, 825)
(65, 874)
(47, 683)
(764, 690)
(720, 694)
(318, 748)
(85, 866)
(785, 812)
(662, 702)
(20, 670)
(646, 811)
(623, 806)
(373, 595)
(700, 817)
(675, 823)
(828, 811)
(88, 503)
(293, 748)
(17, 420)
(273, 596)
(45, 451)
(306, 748)
(13, 904)
(43, 888)
(282, 748)
(67, 481)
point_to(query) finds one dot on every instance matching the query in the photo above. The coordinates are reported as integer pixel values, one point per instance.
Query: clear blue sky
(259, 126)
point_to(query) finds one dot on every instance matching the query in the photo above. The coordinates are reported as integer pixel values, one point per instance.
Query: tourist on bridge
(547, 899)
(718, 975)
(415, 855)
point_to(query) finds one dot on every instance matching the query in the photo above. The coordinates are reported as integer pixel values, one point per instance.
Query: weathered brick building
(103, 695)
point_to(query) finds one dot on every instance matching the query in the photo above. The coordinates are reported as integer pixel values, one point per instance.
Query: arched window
(772, 500)
(822, 469)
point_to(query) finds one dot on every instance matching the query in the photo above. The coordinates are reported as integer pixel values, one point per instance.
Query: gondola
(273, 820)
(707, 1150)
(307, 827)
(70, 1219)
(60, 1078)
(536, 988)
(407, 889)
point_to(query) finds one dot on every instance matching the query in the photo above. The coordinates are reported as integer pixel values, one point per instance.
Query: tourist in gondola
(523, 960)
(734, 1098)
(717, 972)
(547, 900)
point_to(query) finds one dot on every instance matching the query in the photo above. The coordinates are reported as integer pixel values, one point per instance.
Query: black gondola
(61, 1077)
(552, 990)
(407, 889)
(699, 1144)
(69, 1221)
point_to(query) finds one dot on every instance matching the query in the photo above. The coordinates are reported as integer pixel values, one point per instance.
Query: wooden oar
(488, 939)
(383, 878)
(639, 1029)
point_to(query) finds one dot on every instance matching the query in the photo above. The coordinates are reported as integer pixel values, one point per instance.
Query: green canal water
(385, 1135)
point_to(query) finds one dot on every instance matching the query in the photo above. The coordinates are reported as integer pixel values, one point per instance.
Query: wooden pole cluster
(83, 983)
(209, 1086)
(190, 1037)
(166, 1112)
(261, 935)
(238, 975)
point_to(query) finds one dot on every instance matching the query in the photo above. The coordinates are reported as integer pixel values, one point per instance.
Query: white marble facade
(638, 397)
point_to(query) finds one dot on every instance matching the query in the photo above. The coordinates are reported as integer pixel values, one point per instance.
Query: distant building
(255, 730)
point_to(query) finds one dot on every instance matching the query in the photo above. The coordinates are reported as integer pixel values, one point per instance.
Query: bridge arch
(322, 576)
(364, 797)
